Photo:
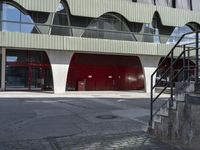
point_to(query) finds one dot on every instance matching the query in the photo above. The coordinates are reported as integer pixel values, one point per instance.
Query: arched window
(14, 20)
(61, 21)
(150, 34)
(108, 27)
(178, 32)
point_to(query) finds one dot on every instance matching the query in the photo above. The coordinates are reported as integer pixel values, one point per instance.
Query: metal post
(188, 63)
(151, 105)
(1, 13)
(3, 69)
(197, 57)
(184, 48)
(171, 78)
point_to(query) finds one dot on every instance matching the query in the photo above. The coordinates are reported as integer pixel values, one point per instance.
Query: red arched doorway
(105, 72)
(28, 70)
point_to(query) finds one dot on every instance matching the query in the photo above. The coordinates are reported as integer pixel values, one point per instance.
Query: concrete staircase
(180, 124)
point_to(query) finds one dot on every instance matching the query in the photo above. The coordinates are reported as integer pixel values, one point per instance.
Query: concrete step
(157, 118)
(174, 105)
(193, 98)
(164, 111)
(197, 88)
(159, 89)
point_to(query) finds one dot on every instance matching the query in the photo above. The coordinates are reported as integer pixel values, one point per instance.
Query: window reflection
(10, 13)
(10, 27)
(61, 18)
(13, 20)
(178, 32)
(111, 24)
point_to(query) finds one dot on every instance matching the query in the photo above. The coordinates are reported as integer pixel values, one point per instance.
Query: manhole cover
(106, 117)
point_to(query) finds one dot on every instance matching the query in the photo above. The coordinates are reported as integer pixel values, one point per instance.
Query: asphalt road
(75, 123)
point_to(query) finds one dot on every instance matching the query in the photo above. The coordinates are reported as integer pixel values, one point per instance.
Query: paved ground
(75, 123)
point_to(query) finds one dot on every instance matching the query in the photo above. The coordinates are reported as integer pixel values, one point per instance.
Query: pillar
(60, 61)
(3, 68)
(149, 63)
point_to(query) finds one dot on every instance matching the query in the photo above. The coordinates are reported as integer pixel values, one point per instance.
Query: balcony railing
(60, 30)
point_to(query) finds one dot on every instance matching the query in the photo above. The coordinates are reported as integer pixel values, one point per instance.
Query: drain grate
(106, 117)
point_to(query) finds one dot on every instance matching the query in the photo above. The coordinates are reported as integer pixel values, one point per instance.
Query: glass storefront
(28, 70)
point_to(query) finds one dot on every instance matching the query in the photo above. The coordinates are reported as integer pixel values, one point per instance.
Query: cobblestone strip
(132, 141)
(25, 145)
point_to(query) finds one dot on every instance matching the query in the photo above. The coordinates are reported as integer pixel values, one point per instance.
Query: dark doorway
(28, 70)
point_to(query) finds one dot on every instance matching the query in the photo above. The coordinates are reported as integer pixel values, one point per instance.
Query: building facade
(64, 45)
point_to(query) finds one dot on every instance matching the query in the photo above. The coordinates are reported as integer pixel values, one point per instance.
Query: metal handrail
(173, 76)
(163, 61)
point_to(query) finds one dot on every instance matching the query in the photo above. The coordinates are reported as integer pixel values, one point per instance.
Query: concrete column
(3, 68)
(149, 64)
(60, 61)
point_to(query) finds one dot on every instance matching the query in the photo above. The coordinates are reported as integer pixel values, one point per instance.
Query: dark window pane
(61, 19)
(16, 77)
(35, 57)
(16, 56)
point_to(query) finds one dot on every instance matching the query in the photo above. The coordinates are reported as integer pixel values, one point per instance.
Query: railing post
(184, 48)
(151, 111)
(171, 78)
(197, 57)
(188, 64)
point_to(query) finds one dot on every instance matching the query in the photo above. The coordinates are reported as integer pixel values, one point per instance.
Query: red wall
(106, 72)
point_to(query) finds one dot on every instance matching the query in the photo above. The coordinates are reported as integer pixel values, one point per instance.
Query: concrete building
(63, 45)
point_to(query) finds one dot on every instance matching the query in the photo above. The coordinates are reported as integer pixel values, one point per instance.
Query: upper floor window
(61, 21)
(14, 20)
(109, 26)
(178, 32)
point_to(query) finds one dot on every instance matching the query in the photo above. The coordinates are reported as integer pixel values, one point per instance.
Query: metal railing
(187, 70)
(88, 32)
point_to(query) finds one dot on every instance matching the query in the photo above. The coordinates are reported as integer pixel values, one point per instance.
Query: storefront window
(16, 77)
(28, 70)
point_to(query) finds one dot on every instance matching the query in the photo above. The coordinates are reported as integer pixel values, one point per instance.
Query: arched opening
(109, 26)
(194, 26)
(61, 21)
(105, 72)
(162, 32)
(15, 20)
(28, 70)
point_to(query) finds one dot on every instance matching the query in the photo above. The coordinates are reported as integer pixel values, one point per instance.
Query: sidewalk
(79, 94)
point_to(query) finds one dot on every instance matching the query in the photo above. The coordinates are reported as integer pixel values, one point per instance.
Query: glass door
(35, 79)
(16, 78)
